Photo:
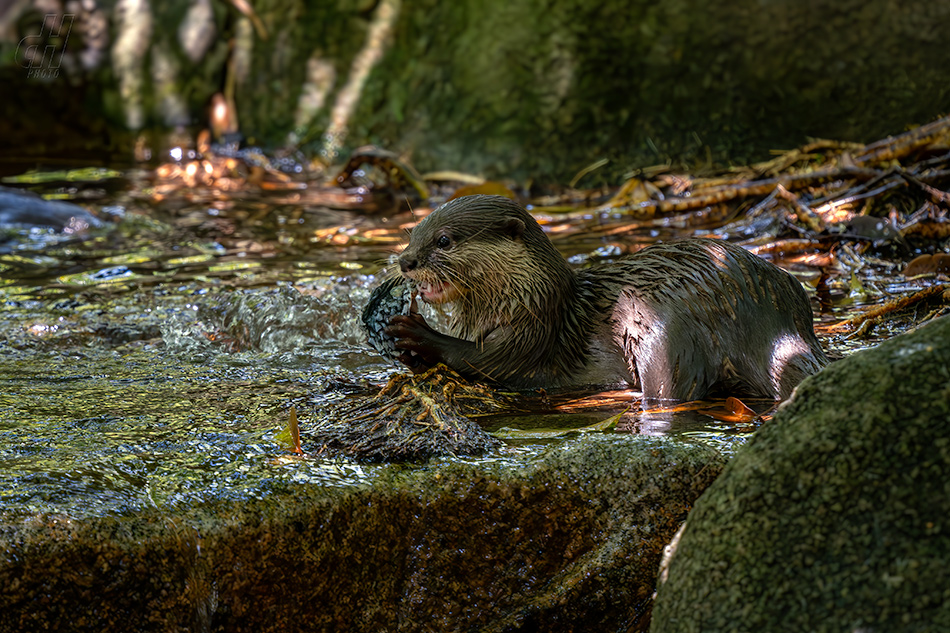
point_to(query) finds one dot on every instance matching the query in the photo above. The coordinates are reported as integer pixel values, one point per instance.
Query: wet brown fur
(679, 318)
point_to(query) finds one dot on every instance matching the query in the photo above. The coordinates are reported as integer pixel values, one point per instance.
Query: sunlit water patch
(100, 434)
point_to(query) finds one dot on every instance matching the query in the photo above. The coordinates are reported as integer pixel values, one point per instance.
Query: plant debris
(413, 418)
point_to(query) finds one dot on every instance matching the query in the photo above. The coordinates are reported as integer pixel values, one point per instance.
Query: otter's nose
(406, 264)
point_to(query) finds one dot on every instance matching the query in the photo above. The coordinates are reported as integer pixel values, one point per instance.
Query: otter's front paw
(418, 341)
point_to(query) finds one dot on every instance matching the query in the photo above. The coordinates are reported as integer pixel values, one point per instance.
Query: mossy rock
(519, 88)
(567, 540)
(834, 517)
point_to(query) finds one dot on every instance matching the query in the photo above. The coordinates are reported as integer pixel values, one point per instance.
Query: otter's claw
(419, 342)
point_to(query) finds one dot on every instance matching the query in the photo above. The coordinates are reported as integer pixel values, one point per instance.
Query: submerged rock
(834, 517)
(565, 541)
(26, 209)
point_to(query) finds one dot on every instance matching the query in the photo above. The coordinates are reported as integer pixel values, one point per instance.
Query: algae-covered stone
(835, 516)
(568, 540)
(512, 88)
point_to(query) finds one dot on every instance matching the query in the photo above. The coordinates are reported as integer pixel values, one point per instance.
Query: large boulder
(834, 517)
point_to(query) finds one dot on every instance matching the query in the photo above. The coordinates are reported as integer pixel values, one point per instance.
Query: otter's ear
(513, 227)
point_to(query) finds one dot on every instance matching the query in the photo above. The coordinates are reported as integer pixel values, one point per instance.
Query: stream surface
(153, 360)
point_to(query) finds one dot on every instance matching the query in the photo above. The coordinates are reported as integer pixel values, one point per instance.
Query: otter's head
(479, 247)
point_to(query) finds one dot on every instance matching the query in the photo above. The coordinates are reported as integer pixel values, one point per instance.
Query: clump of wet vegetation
(413, 418)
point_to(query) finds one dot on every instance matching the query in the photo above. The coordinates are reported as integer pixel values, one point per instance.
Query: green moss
(537, 88)
(833, 517)
(534, 89)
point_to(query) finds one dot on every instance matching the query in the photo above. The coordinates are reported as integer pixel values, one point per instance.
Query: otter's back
(702, 313)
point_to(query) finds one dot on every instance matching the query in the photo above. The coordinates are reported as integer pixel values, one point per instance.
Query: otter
(677, 319)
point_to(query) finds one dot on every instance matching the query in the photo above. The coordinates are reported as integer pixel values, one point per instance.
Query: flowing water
(153, 360)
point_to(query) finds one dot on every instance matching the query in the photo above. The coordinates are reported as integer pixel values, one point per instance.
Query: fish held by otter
(678, 319)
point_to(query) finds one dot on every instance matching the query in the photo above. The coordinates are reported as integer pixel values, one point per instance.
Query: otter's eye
(443, 242)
